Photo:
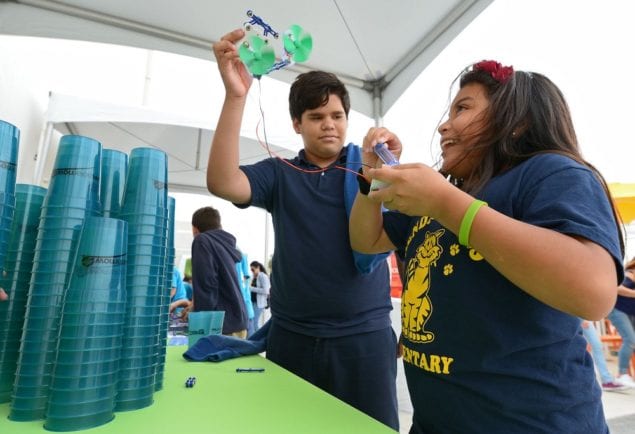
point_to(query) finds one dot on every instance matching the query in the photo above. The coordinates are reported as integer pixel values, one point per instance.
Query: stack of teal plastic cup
(84, 382)
(144, 207)
(72, 196)
(114, 167)
(76, 174)
(15, 280)
(165, 306)
(9, 144)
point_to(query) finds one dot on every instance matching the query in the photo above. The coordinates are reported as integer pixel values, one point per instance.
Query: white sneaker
(612, 386)
(625, 380)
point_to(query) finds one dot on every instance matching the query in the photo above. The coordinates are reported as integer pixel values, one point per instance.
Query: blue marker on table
(250, 369)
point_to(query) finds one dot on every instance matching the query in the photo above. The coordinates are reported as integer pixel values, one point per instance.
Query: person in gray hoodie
(214, 280)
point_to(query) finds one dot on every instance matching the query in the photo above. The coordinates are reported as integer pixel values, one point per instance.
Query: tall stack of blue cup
(15, 280)
(72, 196)
(9, 144)
(84, 382)
(144, 207)
(165, 306)
(114, 167)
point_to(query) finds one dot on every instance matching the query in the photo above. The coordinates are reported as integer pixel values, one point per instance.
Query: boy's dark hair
(205, 219)
(312, 89)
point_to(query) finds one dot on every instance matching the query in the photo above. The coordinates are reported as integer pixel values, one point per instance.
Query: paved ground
(622, 425)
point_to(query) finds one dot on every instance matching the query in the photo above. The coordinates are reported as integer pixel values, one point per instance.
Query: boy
(214, 280)
(330, 316)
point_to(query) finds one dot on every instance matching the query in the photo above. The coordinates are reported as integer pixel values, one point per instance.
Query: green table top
(224, 401)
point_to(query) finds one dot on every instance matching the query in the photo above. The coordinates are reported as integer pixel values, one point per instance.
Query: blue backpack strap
(364, 263)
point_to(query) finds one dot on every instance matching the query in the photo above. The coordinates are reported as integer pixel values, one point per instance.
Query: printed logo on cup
(7, 165)
(89, 264)
(88, 261)
(160, 185)
(87, 172)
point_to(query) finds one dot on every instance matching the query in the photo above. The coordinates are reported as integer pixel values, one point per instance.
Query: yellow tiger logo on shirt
(416, 306)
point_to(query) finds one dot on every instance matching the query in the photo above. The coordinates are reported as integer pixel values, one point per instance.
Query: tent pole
(42, 151)
(148, 79)
(199, 139)
(377, 103)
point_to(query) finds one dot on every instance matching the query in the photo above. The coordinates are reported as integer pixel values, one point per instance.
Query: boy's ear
(296, 126)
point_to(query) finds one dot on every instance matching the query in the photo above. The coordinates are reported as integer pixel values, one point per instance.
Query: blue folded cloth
(216, 348)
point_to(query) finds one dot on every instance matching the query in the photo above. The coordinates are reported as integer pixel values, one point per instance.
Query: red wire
(271, 153)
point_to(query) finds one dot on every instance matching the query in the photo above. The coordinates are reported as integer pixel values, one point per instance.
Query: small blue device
(382, 151)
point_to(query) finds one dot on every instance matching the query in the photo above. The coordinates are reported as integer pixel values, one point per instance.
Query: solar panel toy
(258, 54)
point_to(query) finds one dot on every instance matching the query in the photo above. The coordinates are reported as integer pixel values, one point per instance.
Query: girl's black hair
(527, 115)
(259, 266)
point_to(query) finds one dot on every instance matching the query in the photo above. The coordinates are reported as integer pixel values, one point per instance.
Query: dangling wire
(262, 118)
(265, 144)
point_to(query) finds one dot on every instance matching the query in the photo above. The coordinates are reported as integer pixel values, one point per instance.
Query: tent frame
(421, 54)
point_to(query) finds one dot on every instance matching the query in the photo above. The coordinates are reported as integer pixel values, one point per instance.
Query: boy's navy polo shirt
(316, 288)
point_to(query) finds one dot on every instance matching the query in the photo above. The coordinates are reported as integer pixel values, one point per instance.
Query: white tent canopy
(186, 140)
(376, 47)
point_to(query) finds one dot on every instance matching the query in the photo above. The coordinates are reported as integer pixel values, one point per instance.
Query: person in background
(331, 306)
(3, 295)
(507, 245)
(178, 296)
(187, 284)
(260, 286)
(242, 271)
(214, 279)
(608, 382)
(619, 317)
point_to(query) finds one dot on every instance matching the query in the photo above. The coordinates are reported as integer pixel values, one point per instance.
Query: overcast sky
(584, 46)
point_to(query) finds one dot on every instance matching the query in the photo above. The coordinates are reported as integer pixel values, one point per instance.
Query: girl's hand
(235, 75)
(379, 135)
(414, 189)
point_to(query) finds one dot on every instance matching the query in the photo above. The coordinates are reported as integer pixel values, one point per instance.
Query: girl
(620, 318)
(499, 262)
(260, 286)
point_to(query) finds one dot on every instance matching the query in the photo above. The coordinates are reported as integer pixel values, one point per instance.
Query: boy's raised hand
(235, 75)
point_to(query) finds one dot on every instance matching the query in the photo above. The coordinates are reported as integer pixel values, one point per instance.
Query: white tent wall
(137, 87)
(185, 140)
(21, 108)
(31, 67)
(377, 48)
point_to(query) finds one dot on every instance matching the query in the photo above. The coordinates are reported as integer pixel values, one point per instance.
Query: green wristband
(466, 223)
